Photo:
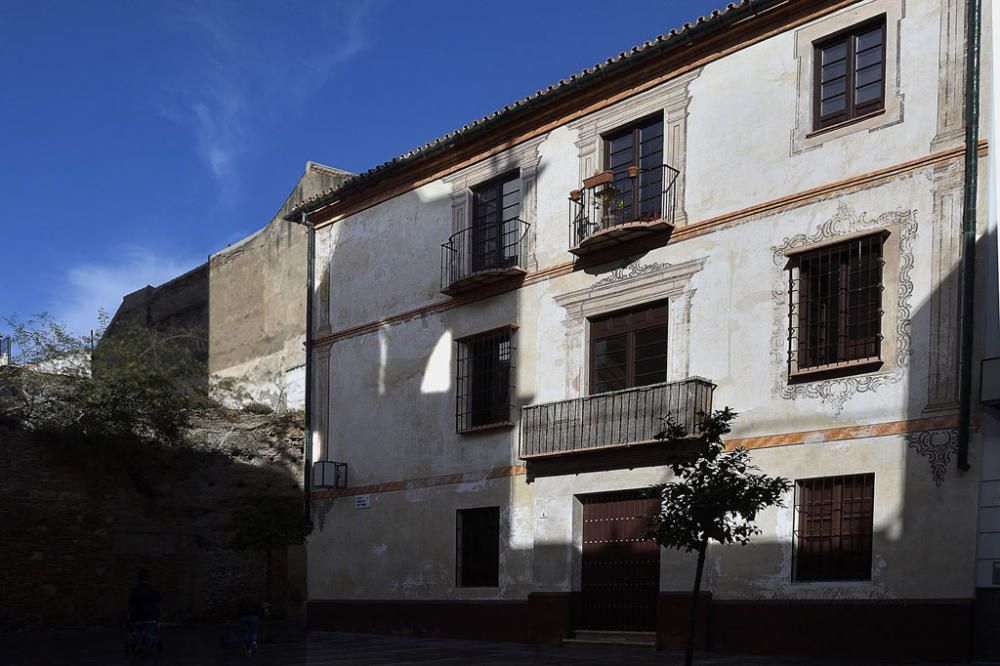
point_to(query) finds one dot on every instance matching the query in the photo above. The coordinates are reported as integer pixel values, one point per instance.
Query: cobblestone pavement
(191, 647)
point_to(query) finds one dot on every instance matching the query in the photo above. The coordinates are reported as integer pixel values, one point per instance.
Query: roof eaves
(732, 14)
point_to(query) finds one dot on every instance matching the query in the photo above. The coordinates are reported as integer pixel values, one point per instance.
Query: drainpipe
(973, 26)
(307, 445)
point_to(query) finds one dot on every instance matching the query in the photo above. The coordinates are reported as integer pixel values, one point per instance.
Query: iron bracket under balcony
(612, 422)
(619, 208)
(483, 254)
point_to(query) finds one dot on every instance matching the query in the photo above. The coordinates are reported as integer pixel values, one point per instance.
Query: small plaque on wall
(362, 501)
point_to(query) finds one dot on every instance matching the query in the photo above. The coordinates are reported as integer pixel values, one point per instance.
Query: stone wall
(80, 521)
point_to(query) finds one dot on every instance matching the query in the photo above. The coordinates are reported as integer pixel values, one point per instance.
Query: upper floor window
(484, 380)
(629, 349)
(849, 80)
(489, 248)
(496, 224)
(635, 156)
(836, 305)
(833, 527)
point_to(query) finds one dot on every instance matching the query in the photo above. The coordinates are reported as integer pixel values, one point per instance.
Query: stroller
(133, 637)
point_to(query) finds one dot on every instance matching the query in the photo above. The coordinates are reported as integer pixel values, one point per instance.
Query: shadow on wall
(80, 520)
(914, 607)
(917, 604)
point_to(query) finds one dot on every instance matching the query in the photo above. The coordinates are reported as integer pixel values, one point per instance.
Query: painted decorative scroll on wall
(835, 393)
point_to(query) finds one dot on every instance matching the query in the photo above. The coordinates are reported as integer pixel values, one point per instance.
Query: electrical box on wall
(329, 474)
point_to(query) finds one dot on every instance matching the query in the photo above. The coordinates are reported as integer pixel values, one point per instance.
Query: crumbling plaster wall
(257, 303)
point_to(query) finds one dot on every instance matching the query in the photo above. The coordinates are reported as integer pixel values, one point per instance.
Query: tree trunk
(267, 578)
(692, 629)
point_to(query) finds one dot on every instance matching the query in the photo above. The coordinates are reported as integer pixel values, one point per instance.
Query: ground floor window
(833, 528)
(484, 380)
(477, 547)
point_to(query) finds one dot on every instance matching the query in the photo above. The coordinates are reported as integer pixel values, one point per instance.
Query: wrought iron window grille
(484, 380)
(833, 528)
(835, 306)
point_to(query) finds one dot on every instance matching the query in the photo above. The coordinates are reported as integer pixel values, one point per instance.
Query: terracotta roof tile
(719, 19)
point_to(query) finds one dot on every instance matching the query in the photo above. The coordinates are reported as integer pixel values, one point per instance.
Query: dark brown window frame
(843, 550)
(499, 389)
(853, 112)
(654, 177)
(629, 330)
(805, 359)
(483, 574)
(506, 232)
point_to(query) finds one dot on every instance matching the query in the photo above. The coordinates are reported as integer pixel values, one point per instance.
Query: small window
(629, 348)
(833, 533)
(836, 305)
(635, 156)
(477, 547)
(484, 380)
(496, 224)
(849, 80)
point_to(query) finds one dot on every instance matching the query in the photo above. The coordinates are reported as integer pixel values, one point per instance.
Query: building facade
(245, 308)
(761, 210)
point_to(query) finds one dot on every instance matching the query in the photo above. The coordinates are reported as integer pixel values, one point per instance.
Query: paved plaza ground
(194, 647)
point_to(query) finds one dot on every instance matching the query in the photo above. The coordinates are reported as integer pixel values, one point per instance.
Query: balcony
(482, 255)
(614, 420)
(617, 208)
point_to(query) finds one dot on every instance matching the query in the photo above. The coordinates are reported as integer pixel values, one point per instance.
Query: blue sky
(137, 137)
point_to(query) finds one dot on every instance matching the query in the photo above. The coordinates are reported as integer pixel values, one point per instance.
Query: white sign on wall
(362, 501)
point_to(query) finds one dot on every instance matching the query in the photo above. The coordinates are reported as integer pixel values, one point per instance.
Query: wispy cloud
(244, 73)
(88, 288)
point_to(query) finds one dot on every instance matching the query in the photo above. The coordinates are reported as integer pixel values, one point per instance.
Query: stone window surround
(898, 289)
(629, 286)
(672, 99)
(523, 158)
(804, 138)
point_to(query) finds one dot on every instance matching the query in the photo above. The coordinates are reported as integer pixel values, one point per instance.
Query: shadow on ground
(191, 647)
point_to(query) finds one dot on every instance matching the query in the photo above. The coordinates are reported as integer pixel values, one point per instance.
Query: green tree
(716, 496)
(132, 383)
(267, 523)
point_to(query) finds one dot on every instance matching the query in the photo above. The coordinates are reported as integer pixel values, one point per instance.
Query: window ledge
(836, 240)
(503, 425)
(857, 367)
(846, 123)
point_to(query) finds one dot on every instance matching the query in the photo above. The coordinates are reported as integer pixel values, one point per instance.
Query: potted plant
(607, 200)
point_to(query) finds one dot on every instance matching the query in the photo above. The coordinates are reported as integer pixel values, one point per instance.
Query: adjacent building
(760, 210)
(244, 310)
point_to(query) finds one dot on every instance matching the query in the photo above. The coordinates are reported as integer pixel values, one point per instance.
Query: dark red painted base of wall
(542, 618)
(933, 630)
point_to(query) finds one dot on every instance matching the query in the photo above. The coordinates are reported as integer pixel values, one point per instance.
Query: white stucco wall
(391, 396)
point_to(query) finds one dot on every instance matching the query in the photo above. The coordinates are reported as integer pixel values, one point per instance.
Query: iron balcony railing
(482, 253)
(616, 418)
(612, 199)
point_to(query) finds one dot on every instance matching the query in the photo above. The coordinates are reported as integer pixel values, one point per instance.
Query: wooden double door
(620, 573)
